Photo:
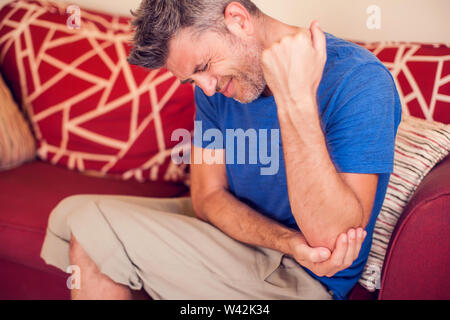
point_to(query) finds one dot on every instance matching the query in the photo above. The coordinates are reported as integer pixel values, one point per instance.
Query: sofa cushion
(17, 143)
(30, 192)
(22, 283)
(419, 146)
(422, 75)
(416, 265)
(91, 110)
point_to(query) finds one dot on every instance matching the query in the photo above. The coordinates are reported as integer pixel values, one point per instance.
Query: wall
(401, 20)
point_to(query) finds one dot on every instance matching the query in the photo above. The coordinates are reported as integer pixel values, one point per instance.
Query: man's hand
(293, 67)
(320, 261)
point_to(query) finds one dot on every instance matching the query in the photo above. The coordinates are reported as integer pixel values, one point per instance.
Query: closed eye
(204, 69)
(187, 81)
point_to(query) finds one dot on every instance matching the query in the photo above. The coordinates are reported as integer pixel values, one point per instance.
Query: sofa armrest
(418, 256)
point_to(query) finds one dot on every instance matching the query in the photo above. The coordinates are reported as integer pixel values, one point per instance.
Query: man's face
(218, 63)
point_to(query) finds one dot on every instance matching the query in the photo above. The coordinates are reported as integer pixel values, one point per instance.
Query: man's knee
(68, 207)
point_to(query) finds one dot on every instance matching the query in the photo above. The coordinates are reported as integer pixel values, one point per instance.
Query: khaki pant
(159, 245)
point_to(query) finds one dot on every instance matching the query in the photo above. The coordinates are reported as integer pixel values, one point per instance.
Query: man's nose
(207, 83)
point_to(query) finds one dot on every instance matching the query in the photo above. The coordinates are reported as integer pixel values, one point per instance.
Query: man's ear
(238, 20)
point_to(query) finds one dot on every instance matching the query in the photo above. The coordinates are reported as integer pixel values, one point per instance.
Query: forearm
(239, 221)
(321, 202)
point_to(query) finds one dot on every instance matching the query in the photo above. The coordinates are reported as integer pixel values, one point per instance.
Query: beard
(249, 76)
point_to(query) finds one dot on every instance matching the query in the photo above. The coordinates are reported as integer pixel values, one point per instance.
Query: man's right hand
(320, 260)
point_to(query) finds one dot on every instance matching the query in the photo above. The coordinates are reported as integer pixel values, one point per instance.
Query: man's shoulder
(345, 58)
(347, 52)
(353, 68)
(356, 85)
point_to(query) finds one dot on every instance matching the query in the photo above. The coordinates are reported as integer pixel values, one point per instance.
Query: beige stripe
(395, 201)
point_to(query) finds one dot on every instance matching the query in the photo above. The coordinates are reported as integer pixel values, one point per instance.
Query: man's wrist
(289, 240)
(302, 113)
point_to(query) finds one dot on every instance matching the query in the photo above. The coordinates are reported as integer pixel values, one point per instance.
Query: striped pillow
(17, 143)
(419, 146)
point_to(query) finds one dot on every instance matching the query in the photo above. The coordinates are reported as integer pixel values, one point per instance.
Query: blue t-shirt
(360, 112)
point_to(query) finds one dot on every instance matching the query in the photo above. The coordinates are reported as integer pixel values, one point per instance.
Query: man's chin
(244, 101)
(248, 99)
(241, 100)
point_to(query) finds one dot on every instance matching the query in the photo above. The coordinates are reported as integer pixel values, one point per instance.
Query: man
(301, 232)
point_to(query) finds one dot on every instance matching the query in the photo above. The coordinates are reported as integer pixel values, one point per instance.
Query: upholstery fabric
(31, 191)
(422, 75)
(418, 257)
(90, 109)
(419, 146)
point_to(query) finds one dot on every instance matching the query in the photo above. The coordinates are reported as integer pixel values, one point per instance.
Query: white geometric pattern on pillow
(419, 146)
(141, 100)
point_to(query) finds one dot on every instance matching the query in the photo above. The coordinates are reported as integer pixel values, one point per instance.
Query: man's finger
(321, 254)
(351, 248)
(360, 236)
(310, 255)
(337, 258)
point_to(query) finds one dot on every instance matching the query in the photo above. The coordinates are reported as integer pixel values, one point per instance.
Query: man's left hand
(294, 66)
(348, 246)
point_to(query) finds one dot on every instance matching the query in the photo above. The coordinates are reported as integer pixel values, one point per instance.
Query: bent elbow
(326, 236)
(324, 239)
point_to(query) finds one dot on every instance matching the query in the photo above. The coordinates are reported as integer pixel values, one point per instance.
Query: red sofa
(418, 256)
(416, 264)
(27, 196)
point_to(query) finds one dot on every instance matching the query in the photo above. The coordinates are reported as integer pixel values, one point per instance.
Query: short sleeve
(361, 130)
(206, 117)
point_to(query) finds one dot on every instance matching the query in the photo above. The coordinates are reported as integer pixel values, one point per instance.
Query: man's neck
(267, 92)
(272, 31)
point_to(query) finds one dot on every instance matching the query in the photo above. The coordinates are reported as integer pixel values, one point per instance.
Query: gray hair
(157, 21)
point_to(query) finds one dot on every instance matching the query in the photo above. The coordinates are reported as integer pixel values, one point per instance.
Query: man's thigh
(181, 257)
(159, 243)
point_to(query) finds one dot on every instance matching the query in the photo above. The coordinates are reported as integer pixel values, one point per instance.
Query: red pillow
(90, 110)
(422, 74)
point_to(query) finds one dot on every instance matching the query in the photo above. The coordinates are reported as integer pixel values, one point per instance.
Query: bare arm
(213, 203)
(324, 202)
